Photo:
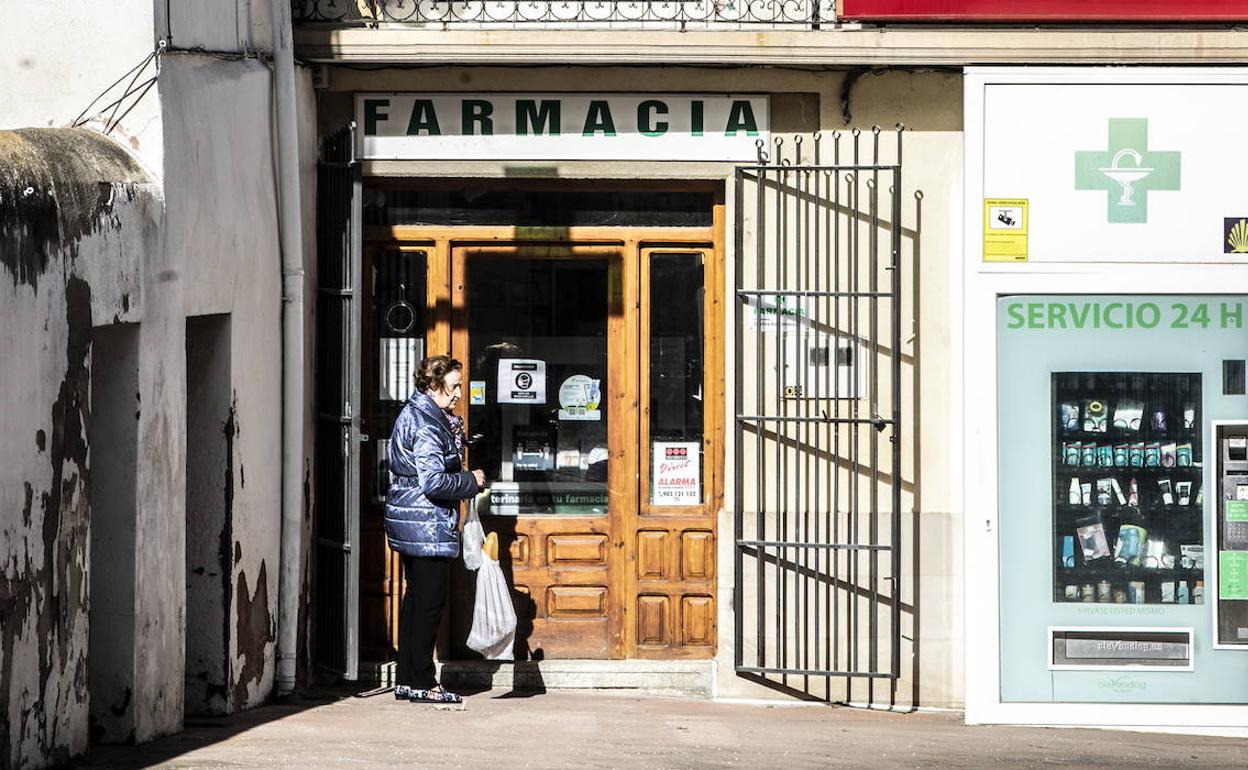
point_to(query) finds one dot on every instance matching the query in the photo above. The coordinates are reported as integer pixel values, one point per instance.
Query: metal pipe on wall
(289, 227)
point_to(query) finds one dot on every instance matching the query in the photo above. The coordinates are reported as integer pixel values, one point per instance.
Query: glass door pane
(675, 324)
(537, 407)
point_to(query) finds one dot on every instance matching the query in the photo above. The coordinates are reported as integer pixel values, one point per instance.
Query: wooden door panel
(697, 555)
(652, 554)
(697, 621)
(654, 620)
(575, 550)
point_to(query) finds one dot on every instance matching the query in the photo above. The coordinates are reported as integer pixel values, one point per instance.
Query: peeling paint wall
(77, 210)
(98, 241)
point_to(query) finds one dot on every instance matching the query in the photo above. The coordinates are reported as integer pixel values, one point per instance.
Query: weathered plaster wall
(221, 195)
(61, 56)
(77, 217)
(220, 25)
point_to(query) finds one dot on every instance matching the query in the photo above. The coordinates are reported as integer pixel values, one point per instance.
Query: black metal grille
(818, 412)
(631, 14)
(337, 397)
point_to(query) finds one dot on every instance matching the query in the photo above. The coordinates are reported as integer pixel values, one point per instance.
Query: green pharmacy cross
(1128, 170)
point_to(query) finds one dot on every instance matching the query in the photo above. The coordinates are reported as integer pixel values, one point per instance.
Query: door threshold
(682, 678)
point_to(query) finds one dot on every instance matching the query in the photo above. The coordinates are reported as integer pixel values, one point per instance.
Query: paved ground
(603, 730)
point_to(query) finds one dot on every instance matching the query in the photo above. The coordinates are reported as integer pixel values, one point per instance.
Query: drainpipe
(291, 234)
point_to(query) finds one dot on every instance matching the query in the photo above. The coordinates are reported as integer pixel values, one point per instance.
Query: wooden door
(557, 318)
(638, 578)
(671, 542)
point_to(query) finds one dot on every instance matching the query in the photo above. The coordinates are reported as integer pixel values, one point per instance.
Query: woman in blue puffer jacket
(427, 481)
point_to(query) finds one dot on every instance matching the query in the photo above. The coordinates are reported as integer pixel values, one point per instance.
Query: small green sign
(1237, 510)
(1233, 574)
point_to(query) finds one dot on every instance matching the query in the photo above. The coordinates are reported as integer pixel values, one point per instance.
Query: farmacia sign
(691, 127)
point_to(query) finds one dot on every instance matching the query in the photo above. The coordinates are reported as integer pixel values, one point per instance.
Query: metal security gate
(337, 406)
(818, 399)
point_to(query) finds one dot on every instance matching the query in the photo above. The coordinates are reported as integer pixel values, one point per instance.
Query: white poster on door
(521, 381)
(397, 359)
(677, 478)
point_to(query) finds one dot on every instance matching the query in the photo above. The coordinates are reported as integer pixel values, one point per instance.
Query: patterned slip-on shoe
(403, 692)
(435, 695)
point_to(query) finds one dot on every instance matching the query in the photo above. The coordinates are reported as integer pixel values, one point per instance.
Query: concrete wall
(930, 104)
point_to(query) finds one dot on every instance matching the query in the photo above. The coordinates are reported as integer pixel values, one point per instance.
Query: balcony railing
(565, 14)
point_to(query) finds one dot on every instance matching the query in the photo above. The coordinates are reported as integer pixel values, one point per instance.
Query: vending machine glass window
(1127, 496)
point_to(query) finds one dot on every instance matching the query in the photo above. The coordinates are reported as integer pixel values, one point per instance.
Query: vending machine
(1123, 499)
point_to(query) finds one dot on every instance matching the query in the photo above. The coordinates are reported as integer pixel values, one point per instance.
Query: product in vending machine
(1104, 491)
(1087, 454)
(1071, 593)
(1198, 592)
(1183, 455)
(1070, 415)
(1155, 554)
(1167, 592)
(1070, 453)
(1092, 541)
(1128, 413)
(1136, 455)
(1087, 592)
(1105, 456)
(1122, 499)
(1133, 494)
(1167, 498)
(1074, 497)
(1169, 454)
(1152, 455)
(1095, 416)
(1104, 592)
(1189, 416)
(1159, 418)
(1135, 592)
(1120, 455)
(1128, 549)
(1184, 490)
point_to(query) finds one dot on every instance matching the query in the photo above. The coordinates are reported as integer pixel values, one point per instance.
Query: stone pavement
(571, 729)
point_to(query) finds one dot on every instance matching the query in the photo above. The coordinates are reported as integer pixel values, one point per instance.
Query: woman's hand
(479, 475)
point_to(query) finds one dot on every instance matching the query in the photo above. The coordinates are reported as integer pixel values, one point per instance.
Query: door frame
(445, 298)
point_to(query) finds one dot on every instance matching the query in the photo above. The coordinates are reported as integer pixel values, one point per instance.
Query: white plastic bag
(474, 537)
(493, 614)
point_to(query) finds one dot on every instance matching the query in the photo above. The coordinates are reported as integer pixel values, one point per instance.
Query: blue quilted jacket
(427, 481)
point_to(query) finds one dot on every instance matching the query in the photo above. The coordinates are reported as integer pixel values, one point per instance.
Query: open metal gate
(818, 463)
(337, 529)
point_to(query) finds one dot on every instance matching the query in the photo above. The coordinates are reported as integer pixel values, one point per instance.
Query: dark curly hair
(433, 370)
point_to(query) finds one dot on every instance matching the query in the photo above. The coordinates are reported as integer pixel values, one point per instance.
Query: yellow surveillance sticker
(1005, 229)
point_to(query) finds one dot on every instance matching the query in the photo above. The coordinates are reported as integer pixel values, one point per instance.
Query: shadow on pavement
(201, 731)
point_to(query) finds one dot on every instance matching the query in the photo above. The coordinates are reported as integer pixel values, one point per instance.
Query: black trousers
(419, 615)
